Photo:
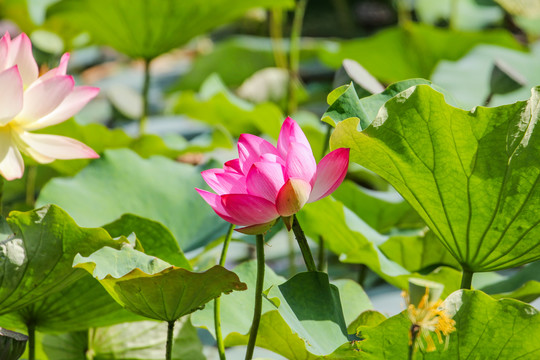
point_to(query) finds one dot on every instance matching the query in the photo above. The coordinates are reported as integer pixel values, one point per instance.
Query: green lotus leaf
(85, 303)
(485, 329)
(414, 50)
(146, 29)
(311, 306)
(472, 176)
(152, 287)
(12, 344)
(356, 242)
(36, 258)
(113, 185)
(345, 103)
(144, 340)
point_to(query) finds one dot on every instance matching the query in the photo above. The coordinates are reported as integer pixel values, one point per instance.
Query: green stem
(488, 99)
(404, 13)
(217, 301)
(304, 247)
(294, 56)
(362, 274)
(31, 175)
(258, 298)
(31, 340)
(170, 340)
(276, 36)
(292, 255)
(414, 334)
(321, 255)
(146, 88)
(466, 280)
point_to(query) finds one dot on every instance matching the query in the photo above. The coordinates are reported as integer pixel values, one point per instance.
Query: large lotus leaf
(155, 238)
(468, 78)
(345, 103)
(354, 241)
(82, 305)
(143, 340)
(237, 307)
(156, 188)
(216, 105)
(485, 329)
(146, 29)
(472, 176)
(311, 306)
(153, 288)
(414, 50)
(381, 210)
(85, 303)
(36, 258)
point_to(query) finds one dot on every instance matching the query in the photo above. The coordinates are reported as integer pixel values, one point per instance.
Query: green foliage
(485, 329)
(37, 255)
(144, 340)
(414, 50)
(146, 29)
(470, 175)
(153, 288)
(156, 188)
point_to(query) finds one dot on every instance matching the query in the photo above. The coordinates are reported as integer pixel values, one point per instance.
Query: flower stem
(304, 247)
(466, 279)
(170, 340)
(217, 301)
(146, 87)
(258, 298)
(31, 340)
(321, 255)
(454, 14)
(294, 56)
(276, 36)
(31, 185)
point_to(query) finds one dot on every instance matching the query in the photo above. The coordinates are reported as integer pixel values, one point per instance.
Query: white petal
(71, 105)
(11, 94)
(20, 54)
(11, 162)
(43, 98)
(45, 148)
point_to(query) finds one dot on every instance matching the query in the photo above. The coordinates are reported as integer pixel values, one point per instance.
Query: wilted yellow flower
(428, 316)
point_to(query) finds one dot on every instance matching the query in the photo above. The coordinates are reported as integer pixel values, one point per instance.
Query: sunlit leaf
(153, 288)
(36, 258)
(472, 176)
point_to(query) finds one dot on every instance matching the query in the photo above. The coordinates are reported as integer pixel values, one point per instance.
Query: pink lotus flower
(266, 183)
(30, 102)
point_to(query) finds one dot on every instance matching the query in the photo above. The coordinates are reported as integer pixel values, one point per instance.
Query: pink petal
(330, 173)
(20, 54)
(292, 197)
(60, 70)
(45, 148)
(71, 105)
(247, 210)
(11, 162)
(290, 132)
(223, 182)
(11, 94)
(44, 97)
(233, 166)
(5, 44)
(250, 149)
(300, 163)
(215, 203)
(265, 179)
